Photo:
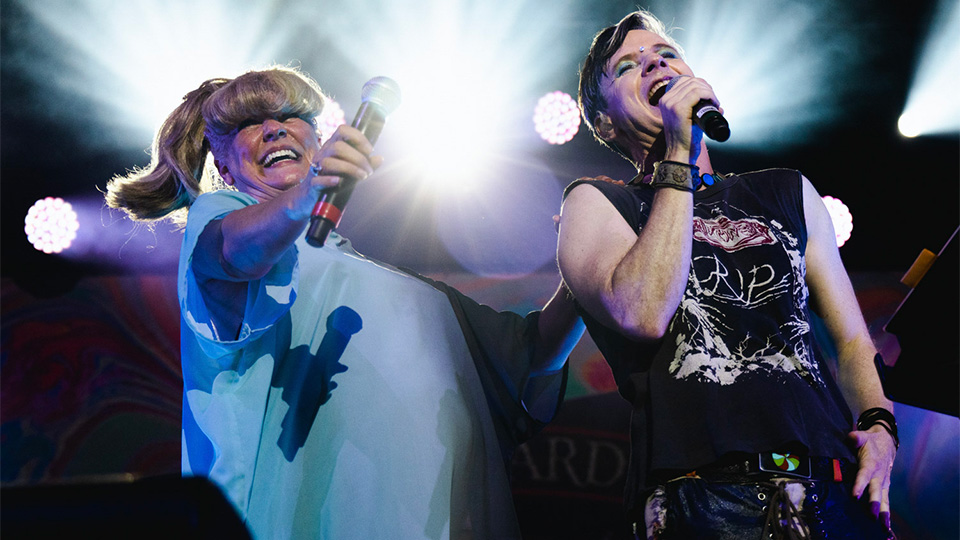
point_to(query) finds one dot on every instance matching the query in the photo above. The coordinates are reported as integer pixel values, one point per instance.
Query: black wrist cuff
(882, 417)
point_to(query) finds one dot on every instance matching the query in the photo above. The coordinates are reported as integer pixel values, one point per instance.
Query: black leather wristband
(883, 418)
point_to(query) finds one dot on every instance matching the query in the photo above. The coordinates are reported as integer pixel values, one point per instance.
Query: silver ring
(315, 169)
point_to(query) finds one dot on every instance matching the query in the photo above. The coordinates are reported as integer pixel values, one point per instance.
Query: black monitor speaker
(160, 507)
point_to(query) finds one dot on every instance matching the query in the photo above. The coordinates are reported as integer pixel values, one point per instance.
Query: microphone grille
(383, 91)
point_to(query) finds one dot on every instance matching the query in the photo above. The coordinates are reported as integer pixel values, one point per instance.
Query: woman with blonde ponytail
(330, 395)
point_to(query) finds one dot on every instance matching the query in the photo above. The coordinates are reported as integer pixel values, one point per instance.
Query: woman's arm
(559, 330)
(253, 238)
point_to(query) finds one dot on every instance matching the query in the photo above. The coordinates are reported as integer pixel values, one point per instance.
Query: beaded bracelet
(883, 418)
(676, 175)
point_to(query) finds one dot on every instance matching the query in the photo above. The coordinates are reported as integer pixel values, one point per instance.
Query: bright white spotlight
(556, 117)
(841, 217)
(932, 107)
(51, 225)
(330, 119)
(467, 70)
(449, 131)
(909, 126)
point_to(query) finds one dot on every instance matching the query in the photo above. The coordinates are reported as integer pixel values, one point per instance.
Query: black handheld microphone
(379, 97)
(707, 116)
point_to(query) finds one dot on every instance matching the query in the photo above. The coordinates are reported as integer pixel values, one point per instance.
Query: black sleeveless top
(736, 370)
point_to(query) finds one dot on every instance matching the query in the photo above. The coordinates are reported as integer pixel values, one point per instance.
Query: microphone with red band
(707, 116)
(380, 96)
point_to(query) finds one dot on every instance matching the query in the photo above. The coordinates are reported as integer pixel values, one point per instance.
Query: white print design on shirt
(716, 294)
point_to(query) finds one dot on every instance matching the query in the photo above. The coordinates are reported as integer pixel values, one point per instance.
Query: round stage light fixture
(841, 217)
(330, 119)
(51, 225)
(556, 117)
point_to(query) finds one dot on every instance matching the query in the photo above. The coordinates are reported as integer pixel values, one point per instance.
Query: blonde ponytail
(171, 182)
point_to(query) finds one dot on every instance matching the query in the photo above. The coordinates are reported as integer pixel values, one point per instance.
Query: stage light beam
(126, 66)
(773, 65)
(932, 107)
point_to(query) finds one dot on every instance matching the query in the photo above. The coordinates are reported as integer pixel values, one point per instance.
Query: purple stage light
(556, 117)
(51, 225)
(330, 119)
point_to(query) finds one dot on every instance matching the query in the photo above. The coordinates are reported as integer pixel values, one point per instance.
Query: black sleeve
(627, 199)
(502, 345)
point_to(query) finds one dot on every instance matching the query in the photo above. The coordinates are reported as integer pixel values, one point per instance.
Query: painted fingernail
(875, 509)
(885, 519)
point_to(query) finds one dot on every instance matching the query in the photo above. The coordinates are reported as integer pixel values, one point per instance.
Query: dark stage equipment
(927, 325)
(159, 507)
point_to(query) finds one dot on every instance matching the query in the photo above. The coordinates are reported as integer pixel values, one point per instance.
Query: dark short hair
(604, 45)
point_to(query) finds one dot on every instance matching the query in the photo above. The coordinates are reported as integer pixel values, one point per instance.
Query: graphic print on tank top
(745, 269)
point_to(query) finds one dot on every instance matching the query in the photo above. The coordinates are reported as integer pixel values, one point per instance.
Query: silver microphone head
(383, 91)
